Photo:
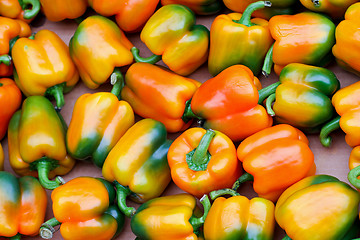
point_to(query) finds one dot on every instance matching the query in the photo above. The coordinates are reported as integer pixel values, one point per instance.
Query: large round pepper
(335, 9)
(201, 7)
(58, 10)
(21, 9)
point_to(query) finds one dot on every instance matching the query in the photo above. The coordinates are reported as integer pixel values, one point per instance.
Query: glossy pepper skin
(168, 92)
(200, 7)
(43, 66)
(275, 158)
(305, 208)
(98, 121)
(2, 157)
(346, 50)
(313, 47)
(96, 63)
(335, 9)
(10, 100)
(23, 203)
(169, 217)
(130, 15)
(20, 9)
(38, 149)
(253, 40)
(171, 32)
(138, 165)
(58, 10)
(84, 208)
(302, 96)
(238, 217)
(229, 103)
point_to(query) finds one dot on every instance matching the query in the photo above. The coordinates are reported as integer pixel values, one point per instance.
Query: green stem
(44, 167)
(269, 101)
(200, 155)
(16, 237)
(5, 59)
(57, 92)
(353, 177)
(328, 128)
(316, 3)
(117, 80)
(246, 16)
(243, 178)
(1, 84)
(268, 62)
(188, 113)
(122, 192)
(221, 192)
(286, 238)
(198, 222)
(152, 59)
(47, 228)
(33, 10)
(267, 91)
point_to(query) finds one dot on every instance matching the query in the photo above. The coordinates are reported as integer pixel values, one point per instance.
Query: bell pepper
(98, 121)
(335, 9)
(20, 9)
(23, 206)
(306, 37)
(275, 158)
(346, 51)
(238, 217)
(278, 7)
(1, 158)
(58, 10)
(304, 210)
(97, 62)
(168, 92)
(137, 164)
(253, 40)
(200, 7)
(85, 208)
(43, 66)
(10, 30)
(171, 32)
(36, 138)
(202, 161)
(229, 103)
(302, 96)
(169, 217)
(10, 101)
(130, 15)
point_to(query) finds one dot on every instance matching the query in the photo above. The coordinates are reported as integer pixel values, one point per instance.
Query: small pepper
(312, 206)
(36, 138)
(58, 10)
(335, 9)
(10, 100)
(171, 32)
(84, 208)
(23, 206)
(25, 10)
(137, 164)
(200, 7)
(275, 158)
(2, 157)
(169, 217)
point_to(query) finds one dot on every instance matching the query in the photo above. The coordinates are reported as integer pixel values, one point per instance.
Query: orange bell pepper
(58, 10)
(275, 158)
(335, 9)
(25, 10)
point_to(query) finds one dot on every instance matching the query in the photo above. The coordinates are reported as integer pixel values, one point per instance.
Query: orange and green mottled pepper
(239, 218)
(334, 8)
(23, 206)
(85, 208)
(347, 34)
(275, 158)
(130, 15)
(43, 66)
(200, 7)
(156, 93)
(2, 157)
(169, 217)
(202, 161)
(171, 32)
(58, 10)
(137, 164)
(305, 37)
(311, 207)
(98, 49)
(36, 137)
(302, 96)
(21, 9)
(98, 121)
(237, 39)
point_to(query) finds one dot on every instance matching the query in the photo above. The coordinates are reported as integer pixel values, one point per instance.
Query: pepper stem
(243, 178)
(198, 222)
(198, 158)
(47, 228)
(286, 238)
(353, 177)
(122, 193)
(329, 127)
(5, 59)
(1, 84)
(269, 102)
(268, 62)
(16, 237)
(117, 80)
(33, 10)
(246, 16)
(57, 92)
(316, 3)
(221, 192)
(12, 43)
(188, 113)
(152, 59)
(44, 167)
(267, 91)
